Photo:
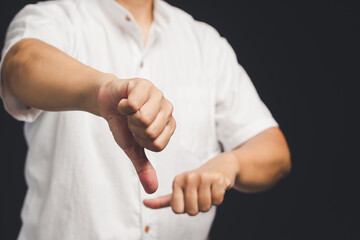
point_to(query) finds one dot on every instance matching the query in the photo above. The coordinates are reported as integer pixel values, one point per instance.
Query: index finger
(160, 202)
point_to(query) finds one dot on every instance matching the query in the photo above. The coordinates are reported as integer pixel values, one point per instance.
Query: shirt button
(127, 18)
(147, 228)
(141, 64)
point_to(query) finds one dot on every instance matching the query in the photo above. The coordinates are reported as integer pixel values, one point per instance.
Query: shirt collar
(123, 18)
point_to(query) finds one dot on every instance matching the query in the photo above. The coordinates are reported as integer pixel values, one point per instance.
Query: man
(83, 73)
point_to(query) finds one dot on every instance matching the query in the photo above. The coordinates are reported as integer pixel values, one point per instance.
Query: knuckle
(145, 119)
(217, 177)
(205, 177)
(148, 84)
(228, 184)
(191, 177)
(158, 146)
(142, 83)
(159, 93)
(171, 107)
(132, 84)
(150, 133)
(177, 181)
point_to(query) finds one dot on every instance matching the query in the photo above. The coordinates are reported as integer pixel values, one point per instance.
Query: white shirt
(80, 183)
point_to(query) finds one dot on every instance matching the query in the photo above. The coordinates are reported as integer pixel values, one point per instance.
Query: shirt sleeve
(44, 21)
(239, 113)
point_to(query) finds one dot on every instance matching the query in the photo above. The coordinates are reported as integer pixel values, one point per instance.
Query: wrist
(236, 163)
(100, 80)
(233, 163)
(227, 164)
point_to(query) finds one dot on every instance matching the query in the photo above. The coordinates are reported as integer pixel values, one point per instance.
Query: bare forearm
(261, 161)
(255, 166)
(43, 77)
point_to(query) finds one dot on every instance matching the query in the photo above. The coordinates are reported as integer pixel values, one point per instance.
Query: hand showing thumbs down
(139, 117)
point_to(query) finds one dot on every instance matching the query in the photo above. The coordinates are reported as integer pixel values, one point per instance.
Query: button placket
(142, 69)
(149, 221)
(134, 30)
(150, 218)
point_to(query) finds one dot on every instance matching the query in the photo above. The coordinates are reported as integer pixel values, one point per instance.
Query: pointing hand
(196, 191)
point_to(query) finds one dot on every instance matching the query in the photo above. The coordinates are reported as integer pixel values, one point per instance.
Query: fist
(139, 116)
(149, 115)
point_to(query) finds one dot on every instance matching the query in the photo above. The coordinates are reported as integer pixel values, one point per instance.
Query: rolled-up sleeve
(240, 113)
(43, 21)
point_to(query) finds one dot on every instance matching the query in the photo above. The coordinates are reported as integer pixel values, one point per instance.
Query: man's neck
(142, 11)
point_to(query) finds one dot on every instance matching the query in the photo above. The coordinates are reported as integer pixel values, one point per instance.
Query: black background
(302, 56)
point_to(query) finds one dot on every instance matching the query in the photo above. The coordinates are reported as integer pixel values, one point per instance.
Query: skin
(140, 117)
(252, 167)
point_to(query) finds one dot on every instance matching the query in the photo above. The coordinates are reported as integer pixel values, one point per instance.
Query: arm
(262, 161)
(138, 115)
(43, 77)
(252, 167)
